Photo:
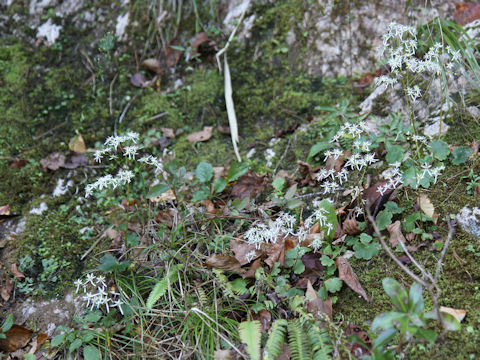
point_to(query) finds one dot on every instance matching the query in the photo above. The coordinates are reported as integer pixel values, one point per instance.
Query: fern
(320, 343)
(161, 287)
(298, 340)
(276, 338)
(250, 334)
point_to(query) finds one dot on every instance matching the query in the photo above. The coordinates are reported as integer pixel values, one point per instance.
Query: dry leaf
(307, 173)
(203, 135)
(426, 206)
(6, 290)
(210, 207)
(358, 349)
(223, 355)
(346, 273)
(168, 195)
(225, 130)
(315, 305)
(77, 144)
(350, 225)
(168, 133)
(76, 160)
(264, 317)
(203, 45)
(16, 273)
(458, 314)
(172, 56)
(5, 210)
(241, 248)
(227, 263)
(396, 234)
(53, 161)
(16, 338)
(153, 65)
(249, 185)
(139, 80)
(275, 252)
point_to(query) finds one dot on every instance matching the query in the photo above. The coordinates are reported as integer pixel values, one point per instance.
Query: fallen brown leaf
(264, 317)
(203, 135)
(5, 210)
(225, 130)
(458, 314)
(16, 273)
(241, 248)
(6, 290)
(396, 234)
(16, 338)
(168, 195)
(223, 355)
(250, 273)
(139, 80)
(53, 161)
(76, 160)
(172, 56)
(346, 273)
(168, 133)
(77, 144)
(203, 45)
(426, 206)
(316, 306)
(249, 185)
(367, 79)
(308, 176)
(152, 65)
(275, 252)
(227, 263)
(350, 225)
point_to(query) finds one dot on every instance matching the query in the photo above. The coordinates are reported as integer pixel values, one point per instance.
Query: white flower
(250, 255)
(414, 92)
(342, 175)
(118, 303)
(78, 283)
(370, 158)
(133, 136)
(316, 244)
(91, 278)
(125, 176)
(131, 151)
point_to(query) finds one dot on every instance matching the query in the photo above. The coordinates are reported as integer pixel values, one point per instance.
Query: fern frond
(251, 334)
(320, 342)
(161, 287)
(298, 341)
(276, 338)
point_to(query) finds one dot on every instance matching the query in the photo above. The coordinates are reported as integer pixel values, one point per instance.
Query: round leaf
(439, 149)
(204, 172)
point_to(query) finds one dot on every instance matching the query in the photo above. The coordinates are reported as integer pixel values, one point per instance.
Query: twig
(283, 155)
(95, 243)
(391, 254)
(122, 115)
(154, 117)
(49, 131)
(451, 231)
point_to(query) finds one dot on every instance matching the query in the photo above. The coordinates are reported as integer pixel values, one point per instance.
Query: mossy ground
(42, 88)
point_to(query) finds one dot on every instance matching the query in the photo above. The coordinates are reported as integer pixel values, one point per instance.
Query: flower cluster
(362, 158)
(399, 46)
(96, 294)
(284, 225)
(393, 176)
(130, 151)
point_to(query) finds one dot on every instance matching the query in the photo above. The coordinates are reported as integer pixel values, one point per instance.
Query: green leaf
(161, 287)
(415, 298)
(236, 170)
(386, 320)
(200, 195)
(319, 147)
(326, 261)
(299, 267)
(295, 203)
(461, 154)
(91, 353)
(451, 323)
(365, 238)
(330, 225)
(75, 345)
(366, 251)
(132, 239)
(108, 263)
(8, 323)
(333, 284)
(157, 190)
(397, 293)
(439, 149)
(393, 207)
(204, 172)
(279, 183)
(92, 317)
(239, 286)
(384, 337)
(395, 154)
(219, 185)
(384, 218)
(250, 334)
(29, 357)
(426, 334)
(409, 177)
(57, 340)
(291, 192)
